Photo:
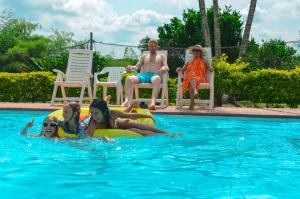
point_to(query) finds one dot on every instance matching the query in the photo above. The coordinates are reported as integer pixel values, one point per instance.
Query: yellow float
(84, 112)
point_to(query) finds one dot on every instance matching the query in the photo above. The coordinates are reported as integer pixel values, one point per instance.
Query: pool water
(218, 157)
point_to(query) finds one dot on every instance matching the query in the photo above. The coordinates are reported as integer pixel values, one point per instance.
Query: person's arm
(164, 68)
(130, 115)
(107, 139)
(91, 128)
(141, 62)
(25, 129)
(208, 66)
(181, 70)
(137, 66)
(34, 135)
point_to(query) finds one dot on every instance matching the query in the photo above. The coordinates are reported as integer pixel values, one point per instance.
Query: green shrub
(261, 86)
(24, 87)
(273, 86)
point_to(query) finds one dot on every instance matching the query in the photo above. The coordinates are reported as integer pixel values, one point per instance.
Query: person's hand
(107, 139)
(130, 68)
(162, 70)
(178, 70)
(30, 124)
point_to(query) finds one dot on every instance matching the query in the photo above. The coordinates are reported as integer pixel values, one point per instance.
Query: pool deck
(171, 110)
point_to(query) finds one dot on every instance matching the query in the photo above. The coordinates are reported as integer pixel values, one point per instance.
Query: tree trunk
(204, 23)
(217, 29)
(248, 28)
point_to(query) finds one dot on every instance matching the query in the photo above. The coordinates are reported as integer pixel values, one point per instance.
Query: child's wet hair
(51, 118)
(76, 109)
(102, 106)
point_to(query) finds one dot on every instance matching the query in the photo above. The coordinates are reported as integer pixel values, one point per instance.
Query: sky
(128, 21)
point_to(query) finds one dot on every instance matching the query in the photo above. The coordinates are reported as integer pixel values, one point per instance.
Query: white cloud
(182, 4)
(99, 17)
(287, 9)
(258, 11)
(273, 18)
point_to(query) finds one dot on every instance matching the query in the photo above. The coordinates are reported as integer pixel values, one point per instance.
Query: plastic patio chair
(78, 75)
(163, 86)
(210, 85)
(113, 80)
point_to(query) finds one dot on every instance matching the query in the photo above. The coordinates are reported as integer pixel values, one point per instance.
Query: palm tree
(217, 29)
(204, 23)
(248, 28)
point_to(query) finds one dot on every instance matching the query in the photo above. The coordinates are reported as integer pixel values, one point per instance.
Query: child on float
(71, 123)
(104, 118)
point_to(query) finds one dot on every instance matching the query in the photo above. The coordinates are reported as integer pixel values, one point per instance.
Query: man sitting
(152, 67)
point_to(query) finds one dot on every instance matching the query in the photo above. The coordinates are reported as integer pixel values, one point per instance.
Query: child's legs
(128, 124)
(142, 132)
(128, 109)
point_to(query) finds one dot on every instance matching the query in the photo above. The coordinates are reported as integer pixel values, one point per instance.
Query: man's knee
(132, 79)
(156, 80)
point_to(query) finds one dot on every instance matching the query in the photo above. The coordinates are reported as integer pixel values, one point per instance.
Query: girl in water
(72, 123)
(104, 118)
(49, 128)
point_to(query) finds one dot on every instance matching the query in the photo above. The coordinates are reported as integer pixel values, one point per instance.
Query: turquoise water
(218, 157)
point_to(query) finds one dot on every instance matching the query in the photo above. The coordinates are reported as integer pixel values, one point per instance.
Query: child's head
(71, 111)
(50, 127)
(100, 112)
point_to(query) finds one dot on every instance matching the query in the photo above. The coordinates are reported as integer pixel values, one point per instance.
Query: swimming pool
(218, 157)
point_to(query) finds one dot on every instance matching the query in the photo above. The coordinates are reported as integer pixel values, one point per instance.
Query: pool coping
(171, 110)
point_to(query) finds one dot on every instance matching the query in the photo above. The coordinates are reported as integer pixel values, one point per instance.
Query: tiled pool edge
(218, 111)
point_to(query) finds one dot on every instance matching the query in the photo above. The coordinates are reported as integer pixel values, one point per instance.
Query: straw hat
(197, 47)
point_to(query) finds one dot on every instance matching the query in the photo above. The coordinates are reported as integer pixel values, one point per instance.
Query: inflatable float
(84, 114)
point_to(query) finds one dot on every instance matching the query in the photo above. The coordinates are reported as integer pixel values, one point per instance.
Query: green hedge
(273, 86)
(261, 86)
(26, 87)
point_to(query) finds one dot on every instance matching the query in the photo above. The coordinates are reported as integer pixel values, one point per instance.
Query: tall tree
(248, 28)
(204, 23)
(217, 29)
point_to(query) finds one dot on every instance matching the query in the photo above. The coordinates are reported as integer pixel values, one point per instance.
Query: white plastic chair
(164, 86)
(113, 80)
(210, 85)
(77, 76)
